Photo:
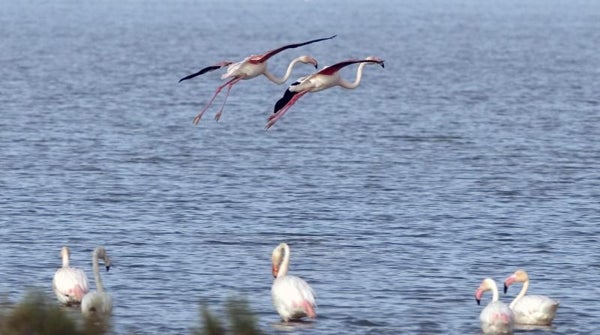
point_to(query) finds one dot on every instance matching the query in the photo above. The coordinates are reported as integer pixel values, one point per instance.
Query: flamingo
(292, 296)
(318, 81)
(530, 309)
(98, 302)
(496, 317)
(251, 67)
(70, 284)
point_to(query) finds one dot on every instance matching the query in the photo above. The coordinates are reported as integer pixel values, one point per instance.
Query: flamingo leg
(197, 118)
(229, 86)
(274, 117)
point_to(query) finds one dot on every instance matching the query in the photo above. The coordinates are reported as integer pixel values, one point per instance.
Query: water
(473, 153)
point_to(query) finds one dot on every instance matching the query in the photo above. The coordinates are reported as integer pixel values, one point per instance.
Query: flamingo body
(251, 67)
(245, 69)
(537, 310)
(496, 317)
(69, 284)
(325, 78)
(98, 302)
(292, 297)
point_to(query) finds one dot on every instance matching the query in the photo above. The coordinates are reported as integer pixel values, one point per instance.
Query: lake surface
(474, 152)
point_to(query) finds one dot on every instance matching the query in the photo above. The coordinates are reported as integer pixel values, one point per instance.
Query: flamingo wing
(329, 70)
(96, 303)
(287, 96)
(264, 57)
(293, 298)
(70, 284)
(205, 70)
(535, 310)
(497, 318)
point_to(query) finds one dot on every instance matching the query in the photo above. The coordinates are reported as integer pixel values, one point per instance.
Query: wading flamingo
(70, 284)
(98, 302)
(251, 67)
(318, 81)
(292, 296)
(530, 309)
(496, 317)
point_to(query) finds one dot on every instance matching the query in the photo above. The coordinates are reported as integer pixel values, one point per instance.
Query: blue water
(474, 152)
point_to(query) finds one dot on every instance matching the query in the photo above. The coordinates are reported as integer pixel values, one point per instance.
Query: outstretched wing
(264, 57)
(206, 69)
(287, 96)
(336, 67)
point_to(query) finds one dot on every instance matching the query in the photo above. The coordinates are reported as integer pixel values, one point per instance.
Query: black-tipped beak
(478, 302)
(382, 65)
(316, 65)
(107, 268)
(505, 288)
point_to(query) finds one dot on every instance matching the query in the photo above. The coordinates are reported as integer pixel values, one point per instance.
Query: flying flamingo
(99, 302)
(251, 67)
(318, 81)
(292, 296)
(70, 284)
(496, 317)
(530, 309)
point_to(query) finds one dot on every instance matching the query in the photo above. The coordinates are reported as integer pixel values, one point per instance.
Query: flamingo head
(520, 276)
(376, 60)
(484, 286)
(308, 60)
(276, 258)
(104, 256)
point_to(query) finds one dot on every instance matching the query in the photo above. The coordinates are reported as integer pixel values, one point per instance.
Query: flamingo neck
(521, 294)
(96, 268)
(283, 267)
(65, 260)
(285, 77)
(494, 289)
(356, 82)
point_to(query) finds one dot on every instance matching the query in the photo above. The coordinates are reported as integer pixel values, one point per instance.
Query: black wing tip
(201, 72)
(287, 96)
(189, 76)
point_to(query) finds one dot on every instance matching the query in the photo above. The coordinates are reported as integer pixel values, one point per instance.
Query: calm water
(473, 153)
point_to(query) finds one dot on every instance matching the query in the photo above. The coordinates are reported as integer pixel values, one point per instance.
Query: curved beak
(509, 281)
(274, 270)
(316, 65)
(107, 268)
(478, 295)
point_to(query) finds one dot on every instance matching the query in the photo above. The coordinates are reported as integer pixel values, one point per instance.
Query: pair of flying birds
(255, 65)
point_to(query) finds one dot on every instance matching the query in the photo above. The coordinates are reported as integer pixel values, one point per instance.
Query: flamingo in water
(70, 284)
(99, 302)
(251, 67)
(292, 296)
(496, 317)
(537, 310)
(318, 81)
